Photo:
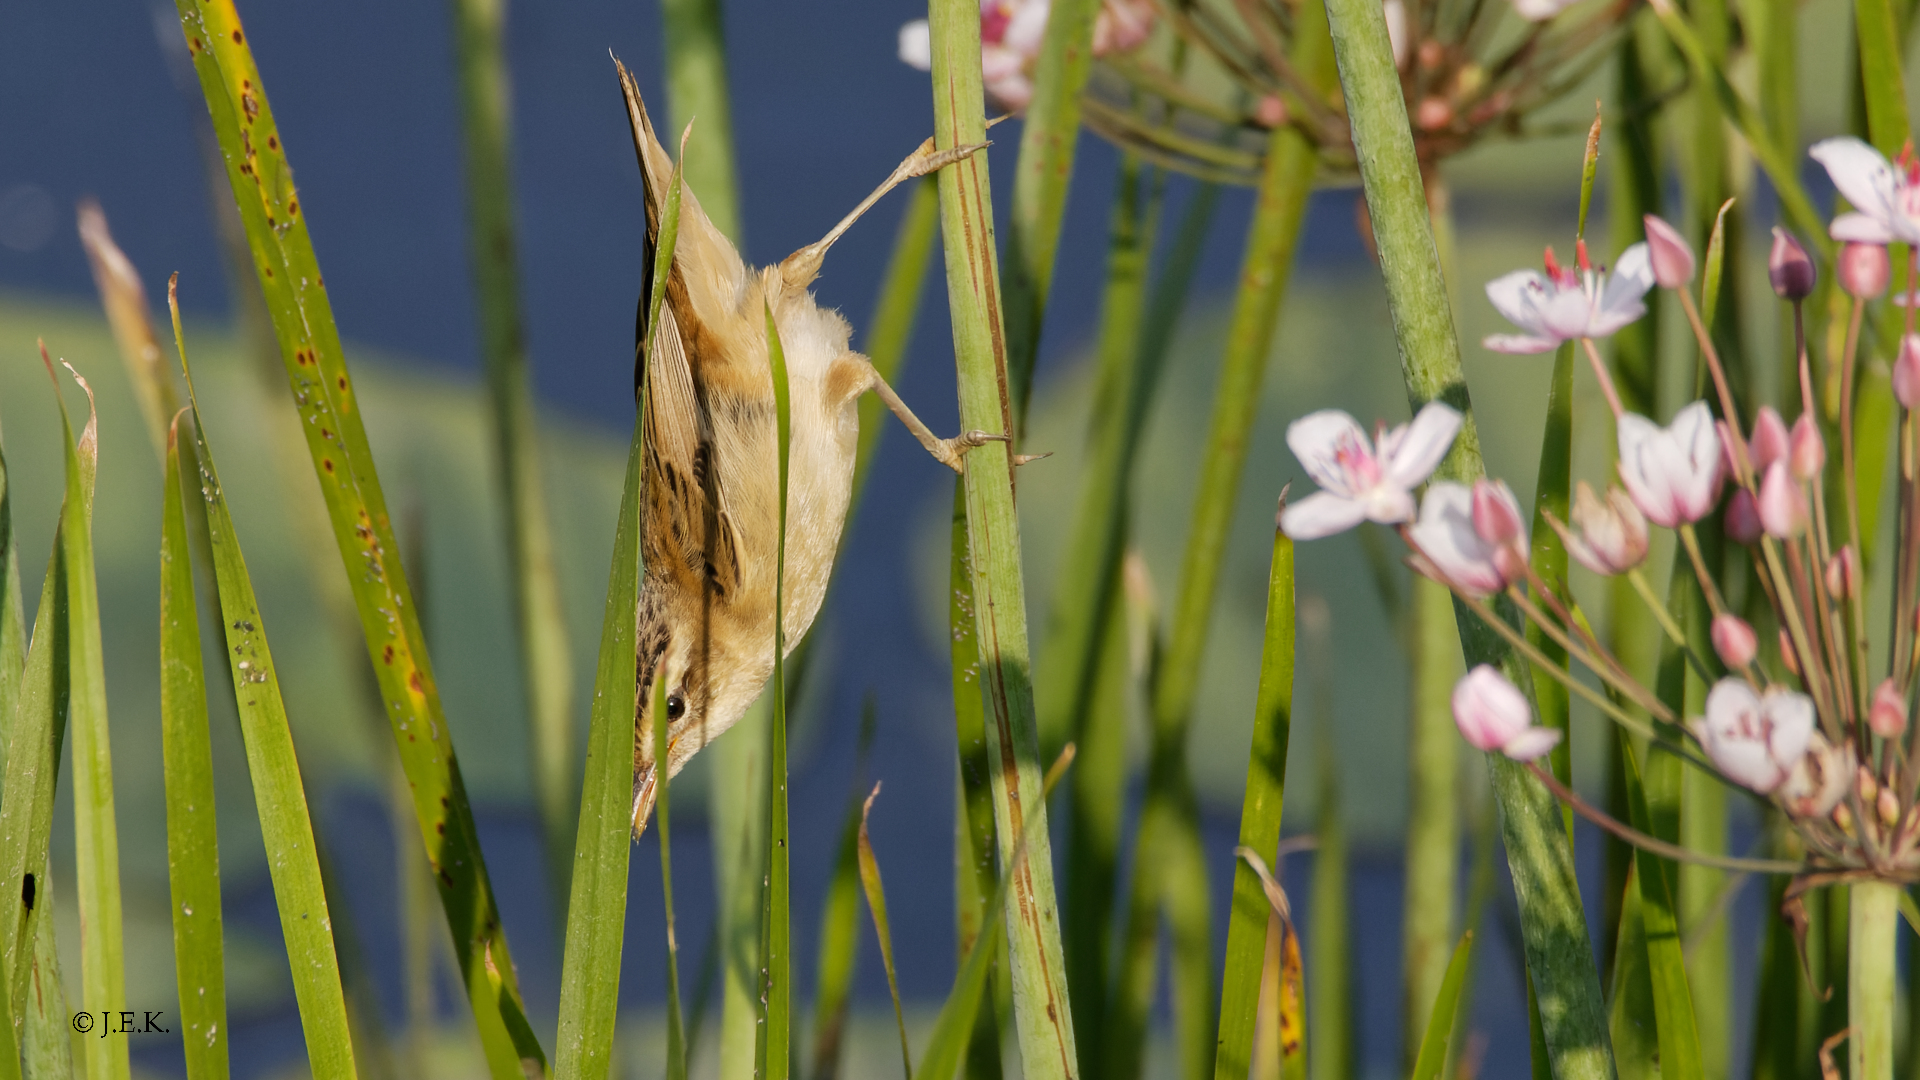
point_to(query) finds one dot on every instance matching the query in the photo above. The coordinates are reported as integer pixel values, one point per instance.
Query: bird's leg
(947, 451)
(800, 268)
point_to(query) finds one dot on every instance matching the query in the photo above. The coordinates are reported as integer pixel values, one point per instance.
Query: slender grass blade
(876, 892)
(1673, 1001)
(775, 1044)
(278, 792)
(1434, 1044)
(676, 1030)
(290, 279)
(1248, 932)
(837, 955)
(96, 833)
(193, 850)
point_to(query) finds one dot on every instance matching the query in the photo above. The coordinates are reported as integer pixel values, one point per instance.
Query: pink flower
(1010, 35)
(1788, 267)
(1864, 270)
(1497, 520)
(1493, 714)
(1806, 450)
(1449, 547)
(1755, 739)
(1783, 506)
(1906, 372)
(1361, 480)
(1885, 195)
(1843, 572)
(1671, 255)
(1566, 303)
(1888, 714)
(1673, 473)
(1734, 640)
(1819, 779)
(1769, 443)
(1743, 518)
(1607, 537)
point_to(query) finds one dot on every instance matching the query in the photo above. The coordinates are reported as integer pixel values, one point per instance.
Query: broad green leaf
(193, 850)
(290, 279)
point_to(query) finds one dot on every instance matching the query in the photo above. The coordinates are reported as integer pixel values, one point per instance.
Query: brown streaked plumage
(711, 525)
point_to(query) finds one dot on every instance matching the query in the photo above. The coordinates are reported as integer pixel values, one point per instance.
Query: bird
(710, 525)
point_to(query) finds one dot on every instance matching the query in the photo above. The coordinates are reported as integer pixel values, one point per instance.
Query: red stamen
(1580, 255)
(1553, 265)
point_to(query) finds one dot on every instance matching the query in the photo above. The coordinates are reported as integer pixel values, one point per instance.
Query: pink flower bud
(1496, 513)
(1807, 452)
(1743, 518)
(1607, 537)
(1433, 113)
(1270, 111)
(1888, 805)
(1887, 716)
(1734, 641)
(1787, 656)
(1493, 714)
(1782, 506)
(1863, 270)
(1843, 573)
(1788, 267)
(1769, 443)
(1672, 256)
(1906, 372)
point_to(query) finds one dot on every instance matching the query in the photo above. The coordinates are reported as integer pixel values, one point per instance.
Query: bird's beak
(643, 794)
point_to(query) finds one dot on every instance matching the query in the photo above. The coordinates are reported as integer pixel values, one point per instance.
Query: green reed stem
(546, 654)
(1330, 990)
(290, 278)
(1042, 1012)
(976, 877)
(1874, 921)
(1552, 495)
(1552, 921)
(1430, 903)
(695, 49)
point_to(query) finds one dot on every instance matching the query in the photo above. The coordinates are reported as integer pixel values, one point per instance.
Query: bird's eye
(676, 707)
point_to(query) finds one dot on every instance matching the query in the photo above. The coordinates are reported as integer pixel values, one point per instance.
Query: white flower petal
(1416, 450)
(1861, 173)
(1321, 514)
(1790, 718)
(1519, 344)
(1516, 296)
(1445, 535)
(1860, 229)
(916, 45)
(1632, 276)
(1610, 318)
(1534, 742)
(1317, 438)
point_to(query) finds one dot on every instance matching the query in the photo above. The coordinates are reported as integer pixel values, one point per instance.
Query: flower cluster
(1010, 35)
(1804, 725)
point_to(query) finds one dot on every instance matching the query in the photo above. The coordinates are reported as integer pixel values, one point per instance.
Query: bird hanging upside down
(710, 519)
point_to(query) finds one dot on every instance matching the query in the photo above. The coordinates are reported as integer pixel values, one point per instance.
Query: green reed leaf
(1552, 494)
(1260, 811)
(876, 893)
(296, 298)
(193, 850)
(279, 794)
(1330, 992)
(837, 955)
(1042, 1011)
(1673, 1000)
(1877, 35)
(1432, 1060)
(695, 50)
(676, 1028)
(546, 654)
(774, 1048)
(1553, 924)
(96, 834)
